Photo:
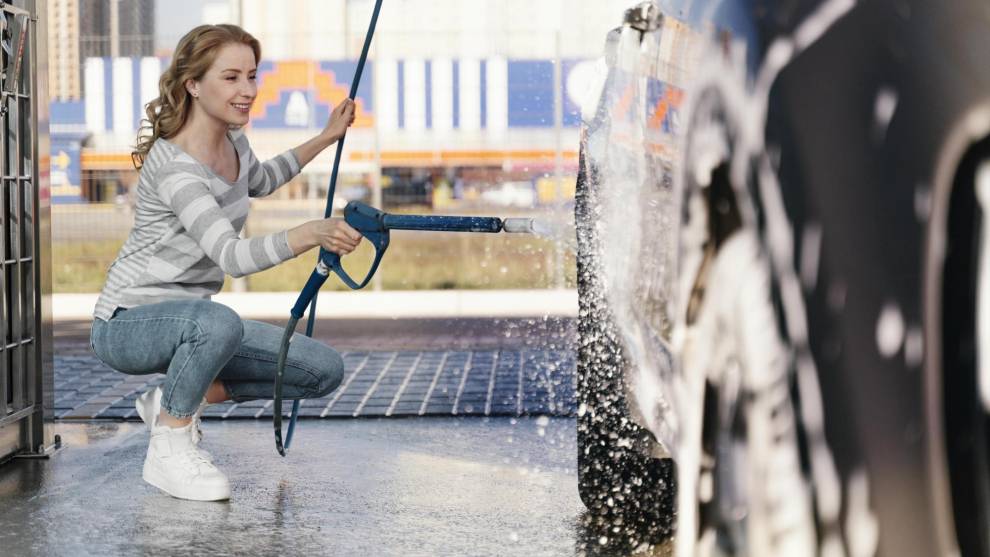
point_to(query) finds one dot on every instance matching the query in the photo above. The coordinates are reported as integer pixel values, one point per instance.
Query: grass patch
(414, 261)
(82, 266)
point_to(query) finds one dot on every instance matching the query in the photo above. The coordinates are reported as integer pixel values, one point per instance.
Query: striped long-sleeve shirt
(186, 225)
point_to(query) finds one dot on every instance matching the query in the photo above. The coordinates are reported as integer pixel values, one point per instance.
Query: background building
(452, 85)
(116, 28)
(64, 73)
(464, 106)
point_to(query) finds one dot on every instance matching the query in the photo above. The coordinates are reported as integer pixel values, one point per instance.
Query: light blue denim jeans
(194, 342)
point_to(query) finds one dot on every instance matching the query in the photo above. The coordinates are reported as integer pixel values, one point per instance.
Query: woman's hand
(333, 235)
(336, 236)
(340, 119)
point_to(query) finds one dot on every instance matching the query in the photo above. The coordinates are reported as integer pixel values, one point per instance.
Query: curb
(364, 305)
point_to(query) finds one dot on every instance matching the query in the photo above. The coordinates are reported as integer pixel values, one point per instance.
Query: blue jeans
(194, 342)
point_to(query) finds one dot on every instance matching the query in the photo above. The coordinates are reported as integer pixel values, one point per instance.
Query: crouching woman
(154, 315)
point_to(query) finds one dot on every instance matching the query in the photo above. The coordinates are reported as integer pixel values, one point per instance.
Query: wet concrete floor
(410, 487)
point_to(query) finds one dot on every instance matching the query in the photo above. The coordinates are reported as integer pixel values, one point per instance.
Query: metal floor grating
(498, 382)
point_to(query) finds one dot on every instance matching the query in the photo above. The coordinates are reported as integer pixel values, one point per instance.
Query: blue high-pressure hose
(309, 293)
(374, 225)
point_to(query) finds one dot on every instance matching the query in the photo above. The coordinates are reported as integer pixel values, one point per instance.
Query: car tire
(964, 420)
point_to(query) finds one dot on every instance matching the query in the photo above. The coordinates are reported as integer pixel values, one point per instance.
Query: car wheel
(748, 494)
(743, 487)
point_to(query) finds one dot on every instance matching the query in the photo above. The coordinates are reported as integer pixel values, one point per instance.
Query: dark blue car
(783, 276)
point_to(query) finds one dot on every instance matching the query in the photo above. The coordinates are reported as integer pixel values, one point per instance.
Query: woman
(154, 314)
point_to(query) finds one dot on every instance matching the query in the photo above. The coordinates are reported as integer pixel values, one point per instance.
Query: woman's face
(228, 88)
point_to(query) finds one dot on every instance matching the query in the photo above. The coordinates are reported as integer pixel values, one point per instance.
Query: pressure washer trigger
(368, 221)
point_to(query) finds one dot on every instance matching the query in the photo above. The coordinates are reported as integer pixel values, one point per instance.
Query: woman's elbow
(231, 269)
(226, 259)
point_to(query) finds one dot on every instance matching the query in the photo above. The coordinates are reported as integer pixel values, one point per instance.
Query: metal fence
(22, 370)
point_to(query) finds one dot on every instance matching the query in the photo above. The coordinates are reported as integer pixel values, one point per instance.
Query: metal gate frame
(26, 359)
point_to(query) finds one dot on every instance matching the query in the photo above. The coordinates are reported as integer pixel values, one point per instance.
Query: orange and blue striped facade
(455, 94)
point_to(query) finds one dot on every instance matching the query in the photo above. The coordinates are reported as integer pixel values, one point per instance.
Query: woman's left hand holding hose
(340, 119)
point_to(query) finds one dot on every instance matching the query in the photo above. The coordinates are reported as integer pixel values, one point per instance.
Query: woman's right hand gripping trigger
(333, 235)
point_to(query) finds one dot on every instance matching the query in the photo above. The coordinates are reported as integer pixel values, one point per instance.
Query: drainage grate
(376, 384)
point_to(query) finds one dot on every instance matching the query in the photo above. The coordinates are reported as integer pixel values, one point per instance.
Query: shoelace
(197, 432)
(193, 459)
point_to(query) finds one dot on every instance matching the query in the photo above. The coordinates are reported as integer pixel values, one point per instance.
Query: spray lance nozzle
(375, 224)
(518, 225)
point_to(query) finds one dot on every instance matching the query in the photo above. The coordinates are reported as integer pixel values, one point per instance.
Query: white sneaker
(149, 405)
(176, 466)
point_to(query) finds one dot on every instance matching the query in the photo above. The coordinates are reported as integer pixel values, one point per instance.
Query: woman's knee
(331, 373)
(220, 326)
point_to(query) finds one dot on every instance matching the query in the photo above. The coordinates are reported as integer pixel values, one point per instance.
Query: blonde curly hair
(193, 56)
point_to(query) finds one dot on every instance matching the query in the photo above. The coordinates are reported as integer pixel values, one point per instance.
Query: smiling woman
(154, 314)
(194, 59)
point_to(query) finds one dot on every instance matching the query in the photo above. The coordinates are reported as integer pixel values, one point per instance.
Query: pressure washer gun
(375, 226)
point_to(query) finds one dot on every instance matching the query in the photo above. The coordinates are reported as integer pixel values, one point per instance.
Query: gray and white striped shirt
(186, 225)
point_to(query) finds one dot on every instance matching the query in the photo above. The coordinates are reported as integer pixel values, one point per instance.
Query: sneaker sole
(183, 492)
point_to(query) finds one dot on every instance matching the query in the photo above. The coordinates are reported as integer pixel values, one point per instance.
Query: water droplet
(890, 330)
(883, 111)
(914, 347)
(922, 202)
